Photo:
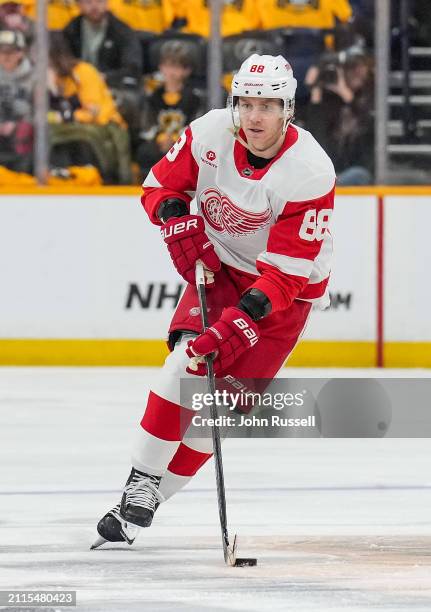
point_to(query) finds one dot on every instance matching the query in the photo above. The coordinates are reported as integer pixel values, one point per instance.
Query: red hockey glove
(187, 242)
(228, 338)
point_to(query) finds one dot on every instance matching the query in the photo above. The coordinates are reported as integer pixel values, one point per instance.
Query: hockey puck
(245, 562)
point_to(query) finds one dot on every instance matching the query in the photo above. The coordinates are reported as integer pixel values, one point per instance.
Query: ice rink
(336, 524)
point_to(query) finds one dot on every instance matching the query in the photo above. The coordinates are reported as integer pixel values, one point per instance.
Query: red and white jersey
(270, 223)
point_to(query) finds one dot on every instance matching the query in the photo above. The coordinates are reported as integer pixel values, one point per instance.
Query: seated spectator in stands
(321, 14)
(77, 91)
(99, 38)
(16, 103)
(13, 17)
(82, 110)
(170, 108)
(59, 12)
(175, 14)
(96, 36)
(237, 16)
(141, 15)
(340, 114)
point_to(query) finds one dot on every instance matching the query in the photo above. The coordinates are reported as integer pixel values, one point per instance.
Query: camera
(328, 69)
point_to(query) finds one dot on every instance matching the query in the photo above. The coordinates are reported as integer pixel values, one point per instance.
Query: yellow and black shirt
(143, 15)
(237, 16)
(59, 12)
(319, 14)
(169, 113)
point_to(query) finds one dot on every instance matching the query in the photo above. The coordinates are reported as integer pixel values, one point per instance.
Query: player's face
(262, 122)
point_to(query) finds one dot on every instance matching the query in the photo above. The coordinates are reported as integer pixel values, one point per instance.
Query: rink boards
(86, 279)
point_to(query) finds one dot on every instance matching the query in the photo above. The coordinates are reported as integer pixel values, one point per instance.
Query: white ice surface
(335, 524)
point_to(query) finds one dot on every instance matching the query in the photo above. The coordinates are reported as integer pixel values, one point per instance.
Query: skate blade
(129, 532)
(98, 542)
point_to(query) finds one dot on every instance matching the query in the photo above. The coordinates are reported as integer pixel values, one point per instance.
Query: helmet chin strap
(288, 119)
(286, 125)
(235, 133)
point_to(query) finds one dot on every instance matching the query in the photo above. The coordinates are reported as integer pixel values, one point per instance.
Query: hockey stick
(229, 550)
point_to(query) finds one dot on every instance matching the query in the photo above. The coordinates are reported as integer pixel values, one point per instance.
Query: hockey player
(262, 193)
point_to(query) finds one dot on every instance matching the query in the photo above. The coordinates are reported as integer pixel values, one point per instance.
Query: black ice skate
(113, 528)
(141, 498)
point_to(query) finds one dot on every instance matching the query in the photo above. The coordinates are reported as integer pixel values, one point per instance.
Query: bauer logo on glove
(248, 332)
(187, 242)
(178, 228)
(233, 334)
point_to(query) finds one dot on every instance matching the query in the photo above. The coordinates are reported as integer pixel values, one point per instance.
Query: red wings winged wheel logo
(224, 216)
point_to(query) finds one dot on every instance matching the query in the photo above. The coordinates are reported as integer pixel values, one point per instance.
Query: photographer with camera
(339, 113)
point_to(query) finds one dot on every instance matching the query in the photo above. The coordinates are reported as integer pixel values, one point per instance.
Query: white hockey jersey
(271, 222)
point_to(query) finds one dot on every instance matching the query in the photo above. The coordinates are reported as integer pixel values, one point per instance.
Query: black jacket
(345, 131)
(120, 55)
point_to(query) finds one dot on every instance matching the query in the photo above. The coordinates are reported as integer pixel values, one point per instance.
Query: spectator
(99, 38)
(13, 18)
(303, 14)
(77, 90)
(59, 12)
(82, 110)
(144, 16)
(339, 114)
(237, 16)
(16, 103)
(175, 14)
(170, 108)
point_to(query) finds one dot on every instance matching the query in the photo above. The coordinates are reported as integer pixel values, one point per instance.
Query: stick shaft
(218, 461)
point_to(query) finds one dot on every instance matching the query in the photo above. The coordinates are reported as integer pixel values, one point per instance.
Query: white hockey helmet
(265, 76)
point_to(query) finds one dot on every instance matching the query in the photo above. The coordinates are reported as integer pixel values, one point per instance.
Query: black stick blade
(244, 562)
